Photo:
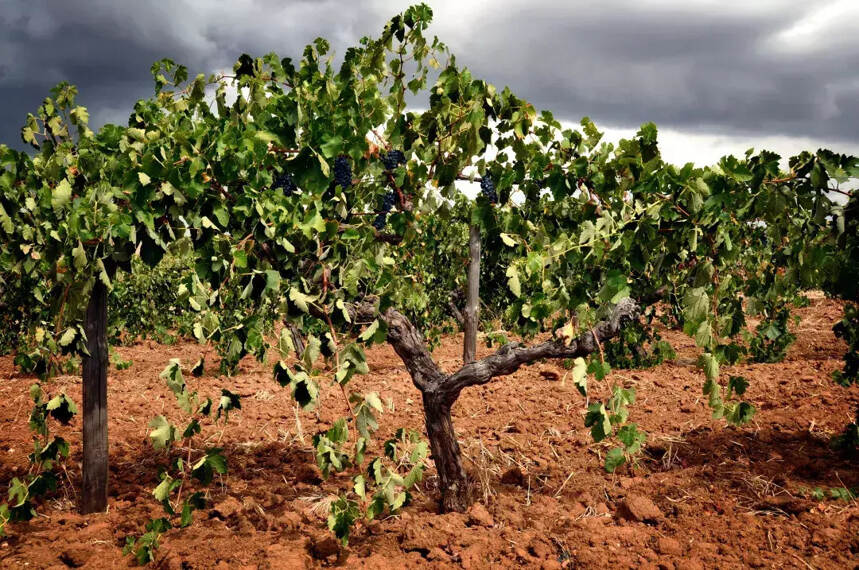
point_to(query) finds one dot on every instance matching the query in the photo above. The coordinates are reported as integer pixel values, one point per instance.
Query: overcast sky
(716, 76)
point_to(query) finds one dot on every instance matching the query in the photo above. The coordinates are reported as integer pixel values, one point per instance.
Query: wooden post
(95, 459)
(472, 298)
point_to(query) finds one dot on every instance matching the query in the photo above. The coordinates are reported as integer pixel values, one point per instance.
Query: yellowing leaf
(68, 337)
(513, 281)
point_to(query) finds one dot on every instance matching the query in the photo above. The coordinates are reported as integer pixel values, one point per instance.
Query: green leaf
(68, 336)
(364, 412)
(304, 391)
(597, 419)
(216, 461)
(79, 257)
(172, 373)
(300, 299)
(61, 408)
(312, 351)
(737, 385)
(369, 332)
(163, 433)
(6, 221)
(192, 429)
(61, 195)
(162, 491)
(631, 438)
(331, 147)
(599, 369)
(513, 281)
(614, 459)
(739, 413)
(360, 486)
(580, 376)
(228, 402)
(708, 363)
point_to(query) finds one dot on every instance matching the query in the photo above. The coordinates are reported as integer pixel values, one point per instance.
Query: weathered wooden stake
(472, 297)
(95, 454)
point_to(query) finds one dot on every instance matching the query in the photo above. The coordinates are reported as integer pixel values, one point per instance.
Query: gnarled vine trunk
(440, 391)
(455, 495)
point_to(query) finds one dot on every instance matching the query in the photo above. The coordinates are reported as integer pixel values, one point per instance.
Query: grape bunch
(380, 221)
(487, 187)
(393, 158)
(284, 182)
(245, 66)
(387, 204)
(342, 172)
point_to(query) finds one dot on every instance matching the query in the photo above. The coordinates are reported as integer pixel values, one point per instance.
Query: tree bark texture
(453, 483)
(297, 339)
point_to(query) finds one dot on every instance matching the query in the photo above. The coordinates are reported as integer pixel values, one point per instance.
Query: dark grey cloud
(767, 68)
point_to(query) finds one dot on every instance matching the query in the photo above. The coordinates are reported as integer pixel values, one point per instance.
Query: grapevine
(602, 233)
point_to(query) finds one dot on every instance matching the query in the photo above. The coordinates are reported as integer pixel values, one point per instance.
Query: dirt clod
(640, 508)
(324, 547)
(227, 508)
(666, 545)
(478, 515)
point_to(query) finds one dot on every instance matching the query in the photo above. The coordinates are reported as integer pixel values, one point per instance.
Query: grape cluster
(387, 204)
(245, 66)
(380, 221)
(487, 187)
(393, 158)
(284, 182)
(342, 172)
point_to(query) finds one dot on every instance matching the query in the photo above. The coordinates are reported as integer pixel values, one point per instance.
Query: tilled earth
(703, 495)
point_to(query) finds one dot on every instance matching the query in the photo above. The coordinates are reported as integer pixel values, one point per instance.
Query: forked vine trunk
(95, 453)
(440, 391)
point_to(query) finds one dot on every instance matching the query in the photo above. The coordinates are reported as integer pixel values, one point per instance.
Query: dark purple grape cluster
(393, 159)
(342, 172)
(387, 204)
(380, 221)
(487, 187)
(284, 182)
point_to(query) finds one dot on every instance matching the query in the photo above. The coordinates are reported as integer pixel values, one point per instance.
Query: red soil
(711, 496)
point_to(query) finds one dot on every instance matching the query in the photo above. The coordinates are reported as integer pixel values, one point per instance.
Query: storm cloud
(754, 69)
